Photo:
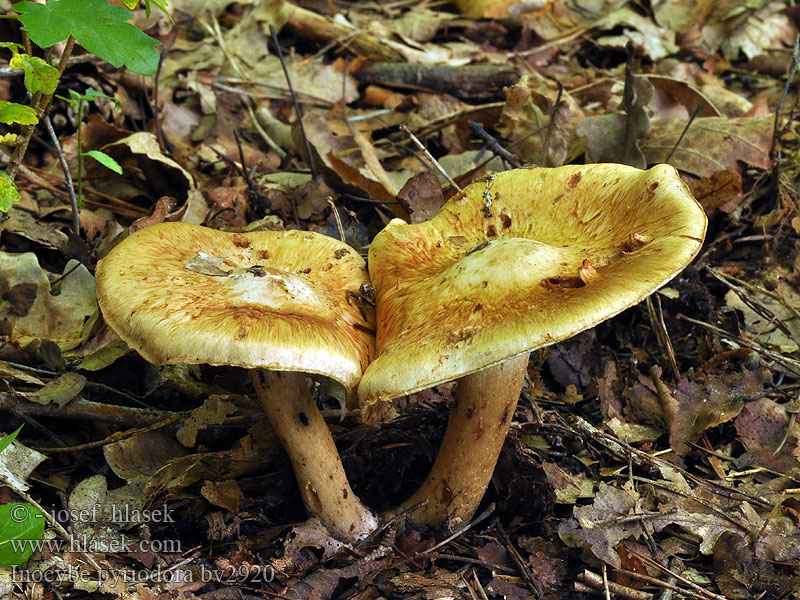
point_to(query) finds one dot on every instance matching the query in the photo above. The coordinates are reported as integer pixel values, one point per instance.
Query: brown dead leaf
(676, 99)
(615, 137)
(539, 133)
(602, 526)
(762, 426)
(223, 493)
(91, 224)
(711, 144)
(59, 391)
(610, 404)
(573, 361)
(212, 412)
(695, 406)
(162, 212)
(343, 159)
(138, 457)
(312, 534)
(716, 190)
(750, 28)
(421, 197)
(30, 308)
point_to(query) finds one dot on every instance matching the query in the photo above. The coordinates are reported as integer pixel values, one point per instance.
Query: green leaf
(161, 5)
(14, 47)
(89, 96)
(105, 160)
(21, 528)
(96, 25)
(39, 76)
(6, 441)
(11, 112)
(8, 193)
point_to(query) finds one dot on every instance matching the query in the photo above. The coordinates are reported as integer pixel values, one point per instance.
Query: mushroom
(515, 262)
(280, 303)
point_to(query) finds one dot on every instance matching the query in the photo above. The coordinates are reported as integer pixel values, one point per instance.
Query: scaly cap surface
(281, 300)
(518, 261)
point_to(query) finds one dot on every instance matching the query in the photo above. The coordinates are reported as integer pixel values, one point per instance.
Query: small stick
(700, 591)
(311, 165)
(526, 572)
(76, 218)
(336, 217)
(546, 144)
(489, 510)
(368, 200)
(683, 133)
(163, 141)
(372, 536)
(792, 72)
(428, 155)
(86, 410)
(491, 142)
(595, 582)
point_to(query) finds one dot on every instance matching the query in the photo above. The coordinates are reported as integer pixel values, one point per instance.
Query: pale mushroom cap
(280, 300)
(567, 248)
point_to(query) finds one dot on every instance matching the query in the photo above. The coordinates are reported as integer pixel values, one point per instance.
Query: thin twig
(163, 141)
(700, 591)
(298, 112)
(76, 218)
(384, 526)
(683, 133)
(428, 155)
(792, 366)
(492, 144)
(792, 72)
(336, 217)
(489, 510)
(533, 583)
(549, 131)
(368, 200)
(86, 410)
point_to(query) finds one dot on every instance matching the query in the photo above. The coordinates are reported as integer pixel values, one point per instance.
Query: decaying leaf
(59, 391)
(138, 457)
(421, 197)
(716, 190)
(568, 488)
(346, 162)
(615, 137)
(226, 494)
(711, 144)
(774, 321)
(17, 462)
(762, 427)
(30, 309)
(531, 123)
(213, 411)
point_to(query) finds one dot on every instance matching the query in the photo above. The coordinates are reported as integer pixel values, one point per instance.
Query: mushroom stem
(479, 420)
(294, 416)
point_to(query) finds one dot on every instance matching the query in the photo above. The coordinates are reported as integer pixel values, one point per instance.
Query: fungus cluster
(515, 262)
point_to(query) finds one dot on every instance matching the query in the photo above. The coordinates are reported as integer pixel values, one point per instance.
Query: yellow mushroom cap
(280, 300)
(518, 261)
